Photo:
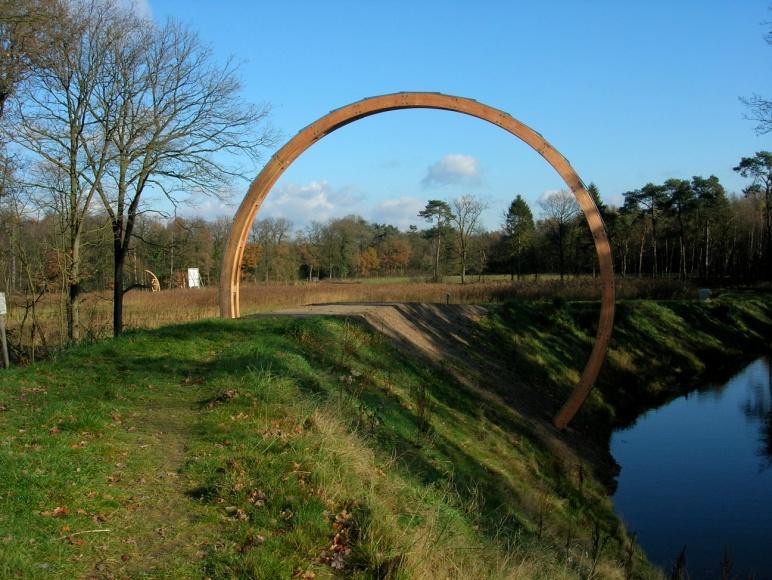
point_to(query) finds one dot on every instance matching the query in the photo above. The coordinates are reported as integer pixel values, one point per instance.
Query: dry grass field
(144, 309)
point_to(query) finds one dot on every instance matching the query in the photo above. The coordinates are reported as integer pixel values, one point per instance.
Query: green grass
(658, 350)
(275, 448)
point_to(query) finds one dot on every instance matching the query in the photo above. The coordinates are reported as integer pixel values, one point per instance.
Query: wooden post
(3, 309)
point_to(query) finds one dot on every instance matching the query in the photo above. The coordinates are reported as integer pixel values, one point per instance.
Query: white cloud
(140, 7)
(451, 169)
(209, 208)
(548, 193)
(401, 212)
(314, 201)
(615, 199)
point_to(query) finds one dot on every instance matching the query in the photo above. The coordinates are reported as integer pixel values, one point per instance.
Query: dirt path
(160, 519)
(437, 331)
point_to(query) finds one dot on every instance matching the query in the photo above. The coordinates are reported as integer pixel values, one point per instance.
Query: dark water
(697, 472)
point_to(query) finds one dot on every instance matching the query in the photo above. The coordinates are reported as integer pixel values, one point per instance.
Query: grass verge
(312, 448)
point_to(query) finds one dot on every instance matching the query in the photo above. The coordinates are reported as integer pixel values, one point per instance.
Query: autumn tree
(366, 261)
(395, 254)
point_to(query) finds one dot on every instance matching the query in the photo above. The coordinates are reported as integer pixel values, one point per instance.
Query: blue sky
(629, 92)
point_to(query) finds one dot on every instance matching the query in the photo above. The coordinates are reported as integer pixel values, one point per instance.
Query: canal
(697, 474)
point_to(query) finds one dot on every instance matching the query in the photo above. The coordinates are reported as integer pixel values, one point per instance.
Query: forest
(686, 229)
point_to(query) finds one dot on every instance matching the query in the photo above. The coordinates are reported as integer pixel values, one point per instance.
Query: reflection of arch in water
(229, 280)
(155, 285)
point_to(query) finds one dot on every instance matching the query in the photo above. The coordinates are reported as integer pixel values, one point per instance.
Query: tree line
(101, 108)
(679, 228)
(685, 229)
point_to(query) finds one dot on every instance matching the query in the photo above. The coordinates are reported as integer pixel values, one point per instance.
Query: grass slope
(658, 350)
(312, 448)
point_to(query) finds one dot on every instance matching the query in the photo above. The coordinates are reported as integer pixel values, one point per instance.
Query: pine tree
(519, 228)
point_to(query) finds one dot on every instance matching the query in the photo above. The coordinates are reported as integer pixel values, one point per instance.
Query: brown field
(147, 310)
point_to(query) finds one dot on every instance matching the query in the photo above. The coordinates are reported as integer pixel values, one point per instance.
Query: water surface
(697, 472)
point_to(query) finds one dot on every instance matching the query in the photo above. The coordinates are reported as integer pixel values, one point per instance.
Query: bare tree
(560, 209)
(760, 112)
(173, 121)
(465, 219)
(50, 119)
(28, 31)
(760, 108)
(269, 234)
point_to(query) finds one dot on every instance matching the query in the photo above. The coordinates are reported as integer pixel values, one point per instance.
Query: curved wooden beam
(155, 285)
(231, 264)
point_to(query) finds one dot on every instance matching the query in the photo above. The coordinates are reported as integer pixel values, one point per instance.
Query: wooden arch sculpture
(234, 251)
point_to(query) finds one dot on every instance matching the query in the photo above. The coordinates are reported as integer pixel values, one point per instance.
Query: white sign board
(194, 278)
(3, 308)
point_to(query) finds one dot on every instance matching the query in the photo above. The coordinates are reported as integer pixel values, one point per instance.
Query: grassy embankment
(659, 350)
(144, 309)
(273, 448)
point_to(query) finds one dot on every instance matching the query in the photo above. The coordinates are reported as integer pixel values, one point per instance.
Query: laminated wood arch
(231, 265)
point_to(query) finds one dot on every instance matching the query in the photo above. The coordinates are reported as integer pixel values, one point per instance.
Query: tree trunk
(73, 308)
(624, 258)
(437, 258)
(707, 249)
(118, 291)
(768, 226)
(654, 244)
(560, 252)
